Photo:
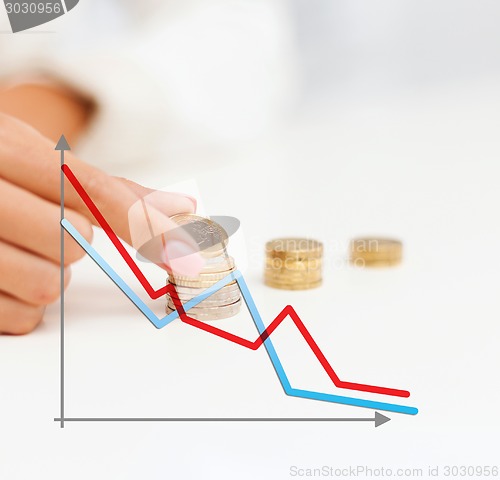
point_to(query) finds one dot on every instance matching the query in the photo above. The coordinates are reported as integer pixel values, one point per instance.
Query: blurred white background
(374, 117)
(364, 49)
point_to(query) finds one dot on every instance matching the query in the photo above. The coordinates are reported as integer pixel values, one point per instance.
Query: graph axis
(65, 225)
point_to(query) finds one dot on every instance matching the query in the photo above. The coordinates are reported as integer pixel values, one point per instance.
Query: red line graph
(154, 294)
(288, 311)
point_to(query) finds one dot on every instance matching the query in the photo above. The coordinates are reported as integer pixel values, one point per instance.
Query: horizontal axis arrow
(378, 419)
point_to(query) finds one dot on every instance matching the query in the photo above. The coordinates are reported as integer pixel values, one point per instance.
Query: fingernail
(183, 259)
(195, 202)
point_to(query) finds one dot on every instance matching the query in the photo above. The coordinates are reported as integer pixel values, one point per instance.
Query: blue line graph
(234, 276)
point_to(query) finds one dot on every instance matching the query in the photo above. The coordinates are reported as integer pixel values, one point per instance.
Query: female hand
(30, 216)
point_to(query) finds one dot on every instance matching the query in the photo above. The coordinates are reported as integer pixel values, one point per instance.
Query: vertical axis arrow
(378, 419)
(62, 146)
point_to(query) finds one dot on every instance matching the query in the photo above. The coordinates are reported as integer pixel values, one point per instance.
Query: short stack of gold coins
(376, 252)
(212, 239)
(294, 263)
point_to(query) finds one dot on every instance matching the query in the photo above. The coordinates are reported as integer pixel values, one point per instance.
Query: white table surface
(425, 170)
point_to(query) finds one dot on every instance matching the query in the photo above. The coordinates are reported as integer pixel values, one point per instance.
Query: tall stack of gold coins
(212, 239)
(294, 263)
(376, 252)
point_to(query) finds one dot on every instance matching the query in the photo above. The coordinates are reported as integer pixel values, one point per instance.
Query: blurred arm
(51, 109)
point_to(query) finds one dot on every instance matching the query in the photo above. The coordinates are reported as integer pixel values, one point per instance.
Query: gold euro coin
(215, 313)
(198, 284)
(201, 277)
(277, 263)
(194, 292)
(217, 299)
(293, 263)
(208, 303)
(293, 286)
(295, 248)
(293, 277)
(212, 239)
(222, 263)
(376, 252)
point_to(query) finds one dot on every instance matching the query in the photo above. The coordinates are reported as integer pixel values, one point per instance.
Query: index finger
(30, 161)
